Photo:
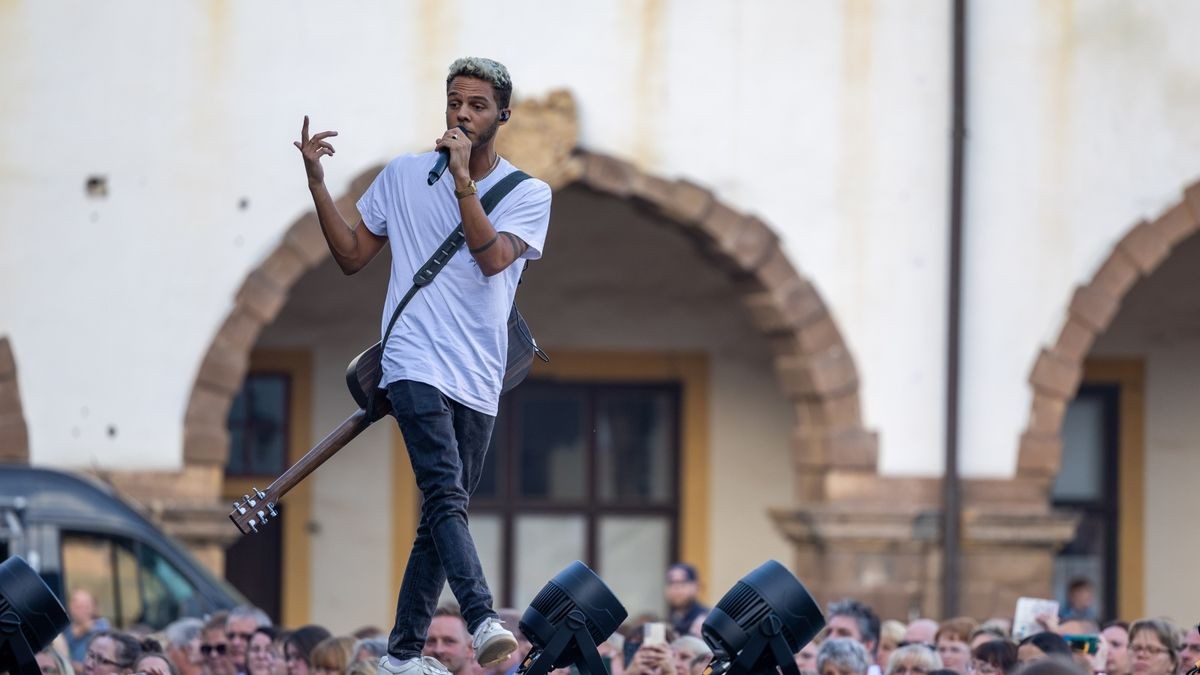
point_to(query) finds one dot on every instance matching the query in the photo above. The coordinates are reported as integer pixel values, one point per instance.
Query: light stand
(572, 614)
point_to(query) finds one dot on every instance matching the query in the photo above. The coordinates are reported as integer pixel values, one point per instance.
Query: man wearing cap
(683, 604)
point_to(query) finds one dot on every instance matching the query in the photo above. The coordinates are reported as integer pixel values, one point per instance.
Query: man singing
(444, 362)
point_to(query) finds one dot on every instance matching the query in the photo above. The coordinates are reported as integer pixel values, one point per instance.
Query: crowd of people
(855, 641)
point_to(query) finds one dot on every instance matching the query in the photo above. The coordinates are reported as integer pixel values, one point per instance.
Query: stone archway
(1057, 372)
(14, 435)
(814, 365)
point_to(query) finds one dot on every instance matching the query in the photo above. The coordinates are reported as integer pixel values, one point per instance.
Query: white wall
(1160, 323)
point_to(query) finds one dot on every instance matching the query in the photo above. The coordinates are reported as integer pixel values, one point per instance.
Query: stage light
(30, 617)
(572, 614)
(761, 623)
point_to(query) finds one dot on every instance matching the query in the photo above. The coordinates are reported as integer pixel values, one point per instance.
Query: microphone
(443, 161)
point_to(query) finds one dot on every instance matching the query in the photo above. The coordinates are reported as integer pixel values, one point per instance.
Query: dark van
(78, 534)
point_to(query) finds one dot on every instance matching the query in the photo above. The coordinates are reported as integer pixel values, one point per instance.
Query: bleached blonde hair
(487, 70)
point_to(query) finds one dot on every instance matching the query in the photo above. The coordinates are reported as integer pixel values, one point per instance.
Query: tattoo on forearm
(518, 247)
(481, 249)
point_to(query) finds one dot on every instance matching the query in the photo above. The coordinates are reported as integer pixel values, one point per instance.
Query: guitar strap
(438, 260)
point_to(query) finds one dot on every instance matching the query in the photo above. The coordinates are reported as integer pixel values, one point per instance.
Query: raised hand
(459, 144)
(312, 149)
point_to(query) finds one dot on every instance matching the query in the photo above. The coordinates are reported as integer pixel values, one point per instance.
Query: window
(132, 583)
(581, 471)
(258, 426)
(1087, 484)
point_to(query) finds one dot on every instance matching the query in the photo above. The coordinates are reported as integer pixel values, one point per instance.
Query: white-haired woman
(842, 656)
(917, 659)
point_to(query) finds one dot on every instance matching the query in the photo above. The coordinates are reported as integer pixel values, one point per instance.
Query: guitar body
(363, 375)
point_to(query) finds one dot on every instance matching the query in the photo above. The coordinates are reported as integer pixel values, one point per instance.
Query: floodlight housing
(30, 617)
(760, 624)
(573, 613)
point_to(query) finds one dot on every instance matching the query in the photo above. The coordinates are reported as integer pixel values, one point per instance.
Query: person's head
(683, 585)
(299, 644)
(478, 93)
(214, 646)
(842, 656)
(155, 663)
(1078, 627)
(920, 632)
(260, 653)
(806, 658)
(369, 649)
(332, 655)
(448, 641)
(700, 664)
(1041, 645)
(1081, 593)
(857, 621)
(82, 607)
(1154, 646)
(183, 645)
(1116, 635)
(239, 627)
(51, 662)
(952, 645)
(985, 634)
(111, 652)
(891, 634)
(1189, 650)
(994, 657)
(915, 659)
(1054, 665)
(686, 649)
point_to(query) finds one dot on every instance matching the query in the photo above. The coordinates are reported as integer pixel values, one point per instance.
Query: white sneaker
(493, 642)
(424, 665)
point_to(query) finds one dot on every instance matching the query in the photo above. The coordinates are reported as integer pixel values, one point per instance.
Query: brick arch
(14, 435)
(812, 360)
(1058, 369)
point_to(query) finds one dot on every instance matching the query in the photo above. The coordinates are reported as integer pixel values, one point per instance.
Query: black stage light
(761, 623)
(30, 617)
(572, 614)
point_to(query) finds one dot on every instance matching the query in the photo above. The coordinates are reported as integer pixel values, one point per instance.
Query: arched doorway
(1102, 419)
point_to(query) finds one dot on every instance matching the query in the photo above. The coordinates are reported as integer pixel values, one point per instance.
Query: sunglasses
(244, 636)
(209, 649)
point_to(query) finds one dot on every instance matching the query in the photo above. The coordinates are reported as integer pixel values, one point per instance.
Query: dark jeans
(446, 443)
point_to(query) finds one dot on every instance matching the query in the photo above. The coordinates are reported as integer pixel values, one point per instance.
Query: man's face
(1118, 650)
(214, 648)
(955, 653)
(82, 607)
(471, 104)
(681, 591)
(1081, 598)
(842, 626)
(447, 642)
(1190, 651)
(238, 632)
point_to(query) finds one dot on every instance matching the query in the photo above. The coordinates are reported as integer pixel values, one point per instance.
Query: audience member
(449, 642)
(1041, 645)
(1154, 644)
(111, 653)
(1081, 596)
(891, 634)
(1189, 651)
(920, 632)
(985, 634)
(700, 665)
(915, 659)
(85, 624)
(182, 645)
(995, 657)
(806, 658)
(370, 649)
(683, 593)
(611, 651)
(298, 645)
(332, 655)
(1116, 636)
(52, 662)
(651, 659)
(214, 647)
(686, 649)
(1054, 665)
(952, 643)
(842, 656)
(239, 628)
(261, 656)
(155, 663)
(855, 620)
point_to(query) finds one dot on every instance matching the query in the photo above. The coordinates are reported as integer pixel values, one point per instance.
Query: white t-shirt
(454, 332)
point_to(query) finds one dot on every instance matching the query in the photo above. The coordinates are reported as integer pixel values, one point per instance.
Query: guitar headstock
(253, 510)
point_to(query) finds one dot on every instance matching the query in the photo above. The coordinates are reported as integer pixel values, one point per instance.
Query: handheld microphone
(443, 161)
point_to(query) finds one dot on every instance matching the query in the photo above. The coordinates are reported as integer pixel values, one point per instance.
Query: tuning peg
(271, 508)
(260, 493)
(252, 525)
(262, 517)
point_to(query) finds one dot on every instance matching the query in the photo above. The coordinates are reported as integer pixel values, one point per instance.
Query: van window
(132, 583)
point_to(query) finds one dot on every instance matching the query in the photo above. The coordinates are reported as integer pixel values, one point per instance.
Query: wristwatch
(467, 191)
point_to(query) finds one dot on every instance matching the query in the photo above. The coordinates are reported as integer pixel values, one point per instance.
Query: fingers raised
(304, 131)
(324, 134)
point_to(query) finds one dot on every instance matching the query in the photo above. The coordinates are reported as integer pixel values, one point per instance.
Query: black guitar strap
(440, 257)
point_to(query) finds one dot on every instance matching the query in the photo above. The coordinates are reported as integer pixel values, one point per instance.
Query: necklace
(495, 163)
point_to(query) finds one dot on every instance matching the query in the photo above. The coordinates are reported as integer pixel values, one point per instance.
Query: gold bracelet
(465, 192)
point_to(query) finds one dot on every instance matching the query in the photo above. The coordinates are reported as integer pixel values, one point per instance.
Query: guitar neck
(257, 509)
